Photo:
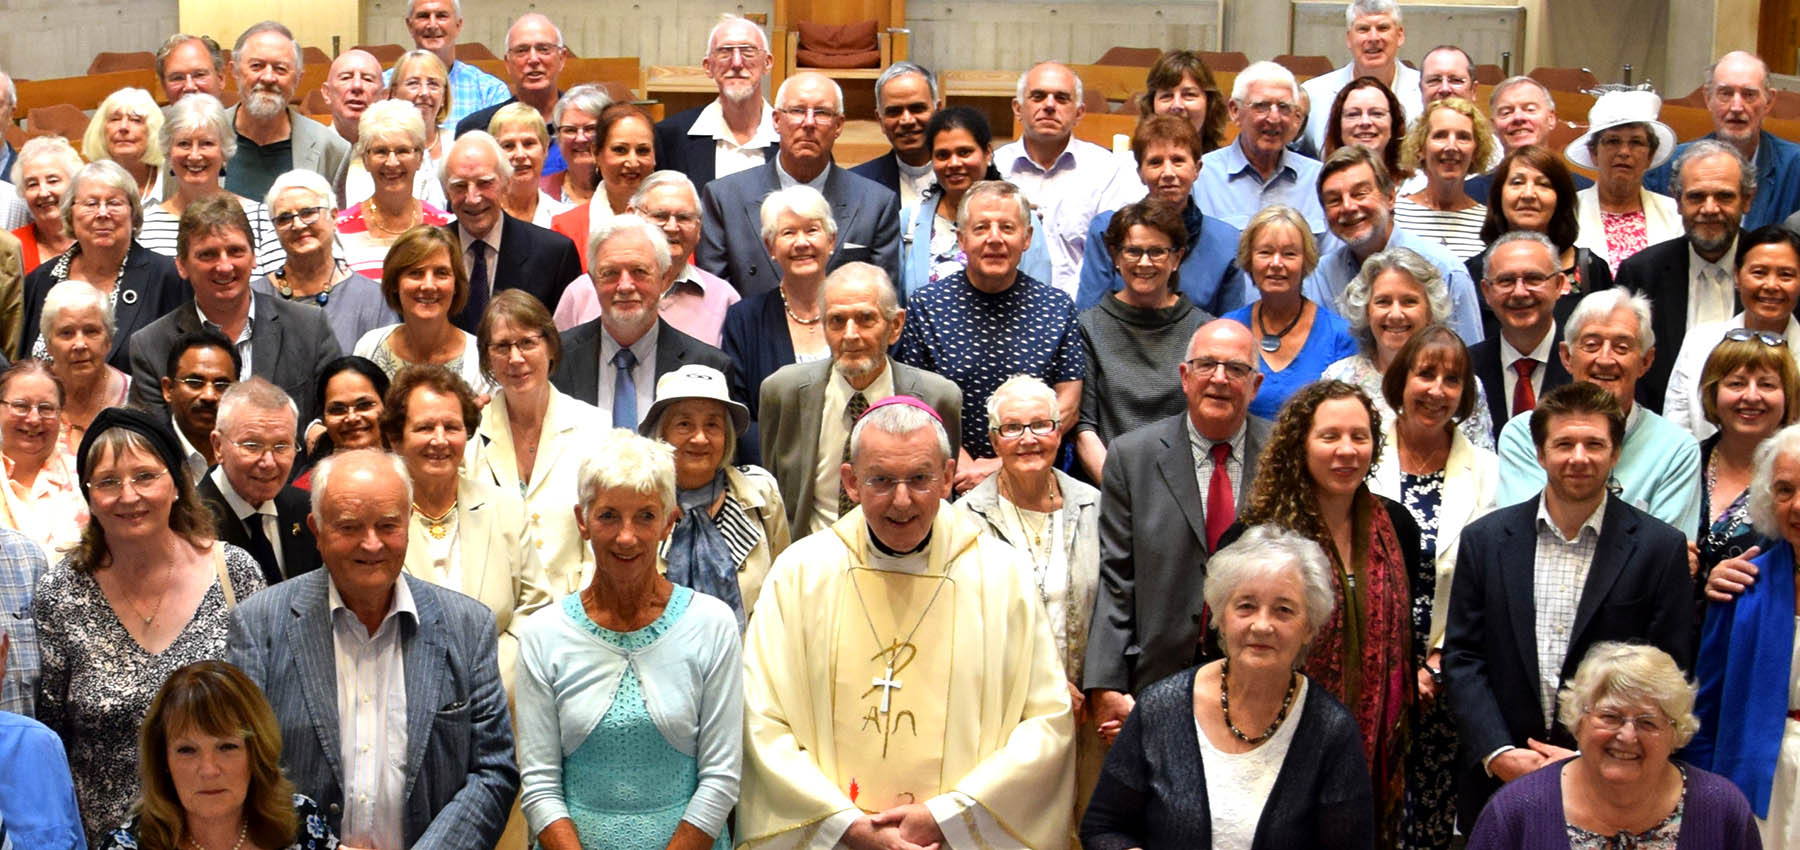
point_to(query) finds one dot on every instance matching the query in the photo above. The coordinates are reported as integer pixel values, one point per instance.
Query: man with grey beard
(273, 138)
(807, 409)
(1692, 279)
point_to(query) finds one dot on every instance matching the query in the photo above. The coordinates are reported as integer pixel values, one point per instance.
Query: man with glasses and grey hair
(736, 131)
(534, 59)
(809, 115)
(1257, 169)
(190, 64)
(906, 96)
(1374, 34)
(1518, 365)
(254, 506)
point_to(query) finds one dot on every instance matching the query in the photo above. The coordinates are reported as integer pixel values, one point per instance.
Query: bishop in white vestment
(900, 672)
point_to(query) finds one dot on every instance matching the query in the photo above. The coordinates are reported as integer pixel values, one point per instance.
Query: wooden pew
(83, 92)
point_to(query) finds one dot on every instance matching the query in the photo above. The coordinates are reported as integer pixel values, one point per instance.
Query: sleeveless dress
(625, 787)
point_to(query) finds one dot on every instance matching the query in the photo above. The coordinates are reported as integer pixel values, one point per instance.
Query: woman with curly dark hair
(1313, 480)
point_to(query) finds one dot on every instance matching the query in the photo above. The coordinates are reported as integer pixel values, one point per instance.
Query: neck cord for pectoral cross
(893, 652)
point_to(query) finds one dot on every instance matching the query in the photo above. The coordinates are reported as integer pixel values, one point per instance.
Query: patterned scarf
(698, 556)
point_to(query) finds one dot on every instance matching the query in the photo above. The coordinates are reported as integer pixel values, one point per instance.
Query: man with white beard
(273, 138)
(736, 131)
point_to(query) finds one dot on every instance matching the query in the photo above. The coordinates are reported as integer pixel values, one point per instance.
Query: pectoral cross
(887, 683)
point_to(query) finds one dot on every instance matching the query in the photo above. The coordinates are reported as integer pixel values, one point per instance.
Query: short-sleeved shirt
(980, 339)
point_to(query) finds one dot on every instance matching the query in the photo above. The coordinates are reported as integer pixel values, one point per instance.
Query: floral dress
(311, 832)
(97, 680)
(1430, 780)
(1666, 835)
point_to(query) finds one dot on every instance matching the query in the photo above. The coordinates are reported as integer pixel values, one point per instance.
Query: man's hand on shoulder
(1515, 763)
(1731, 577)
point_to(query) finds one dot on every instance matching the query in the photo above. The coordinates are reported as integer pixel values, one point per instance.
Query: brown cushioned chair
(841, 33)
(106, 63)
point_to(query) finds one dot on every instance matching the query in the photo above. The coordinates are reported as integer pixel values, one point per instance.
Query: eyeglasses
(113, 485)
(112, 206)
(884, 485)
(361, 405)
(1282, 108)
(1529, 280)
(255, 448)
(569, 131)
(1015, 430)
(1764, 337)
(661, 218)
(197, 384)
(1134, 253)
(520, 51)
(1432, 81)
(1612, 721)
(803, 113)
(23, 408)
(302, 217)
(725, 52)
(1593, 343)
(178, 78)
(528, 344)
(1236, 370)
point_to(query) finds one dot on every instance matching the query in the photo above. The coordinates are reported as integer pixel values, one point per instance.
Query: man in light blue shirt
(1357, 195)
(37, 796)
(1257, 169)
(434, 25)
(1374, 34)
(1608, 341)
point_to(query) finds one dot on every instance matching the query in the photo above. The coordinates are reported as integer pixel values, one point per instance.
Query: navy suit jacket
(1484, 356)
(299, 550)
(1637, 590)
(731, 246)
(1660, 272)
(461, 776)
(289, 343)
(536, 259)
(578, 374)
(884, 169)
(694, 156)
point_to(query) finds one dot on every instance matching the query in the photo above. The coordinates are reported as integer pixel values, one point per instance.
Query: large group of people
(1338, 467)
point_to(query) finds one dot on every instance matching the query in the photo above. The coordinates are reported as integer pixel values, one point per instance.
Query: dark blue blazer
(731, 246)
(690, 155)
(578, 374)
(150, 287)
(1484, 357)
(536, 259)
(884, 169)
(755, 338)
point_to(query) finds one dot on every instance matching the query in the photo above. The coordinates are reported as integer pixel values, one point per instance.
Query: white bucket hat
(693, 381)
(1616, 108)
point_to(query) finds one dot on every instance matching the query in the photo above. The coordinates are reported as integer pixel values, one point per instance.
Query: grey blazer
(289, 344)
(731, 245)
(316, 147)
(1146, 622)
(578, 374)
(461, 777)
(792, 409)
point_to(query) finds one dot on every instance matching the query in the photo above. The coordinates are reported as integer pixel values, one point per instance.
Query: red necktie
(1220, 512)
(1524, 400)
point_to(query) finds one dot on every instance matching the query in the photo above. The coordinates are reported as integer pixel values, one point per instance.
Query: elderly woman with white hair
(1629, 707)
(1748, 669)
(772, 329)
(78, 331)
(42, 169)
(390, 149)
(124, 129)
(1397, 294)
(304, 211)
(1054, 522)
(525, 139)
(633, 676)
(102, 210)
(1279, 760)
(578, 136)
(196, 140)
(414, 89)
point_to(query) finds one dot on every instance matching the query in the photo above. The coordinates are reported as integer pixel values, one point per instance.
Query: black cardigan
(1152, 790)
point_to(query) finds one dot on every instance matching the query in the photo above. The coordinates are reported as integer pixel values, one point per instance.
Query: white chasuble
(978, 726)
(889, 700)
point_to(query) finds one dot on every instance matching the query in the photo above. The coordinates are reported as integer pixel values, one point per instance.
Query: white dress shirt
(643, 374)
(1712, 287)
(729, 157)
(1083, 180)
(264, 514)
(1546, 349)
(371, 704)
(242, 343)
(833, 428)
(191, 457)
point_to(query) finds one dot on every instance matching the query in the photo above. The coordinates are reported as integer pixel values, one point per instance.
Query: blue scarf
(1744, 670)
(698, 556)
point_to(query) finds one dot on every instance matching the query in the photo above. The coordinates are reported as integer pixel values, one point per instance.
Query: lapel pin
(129, 296)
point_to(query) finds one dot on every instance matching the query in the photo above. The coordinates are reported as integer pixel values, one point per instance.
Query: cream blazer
(498, 568)
(571, 427)
(1662, 220)
(756, 492)
(1471, 477)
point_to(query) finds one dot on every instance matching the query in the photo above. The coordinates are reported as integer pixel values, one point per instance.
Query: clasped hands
(908, 827)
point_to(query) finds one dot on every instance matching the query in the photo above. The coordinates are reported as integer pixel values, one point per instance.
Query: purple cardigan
(1527, 814)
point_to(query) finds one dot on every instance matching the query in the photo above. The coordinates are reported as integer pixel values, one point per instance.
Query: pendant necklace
(439, 525)
(886, 682)
(1225, 705)
(789, 311)
(1271, 342)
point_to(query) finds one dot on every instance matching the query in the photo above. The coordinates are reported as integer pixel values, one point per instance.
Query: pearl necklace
(243, 830)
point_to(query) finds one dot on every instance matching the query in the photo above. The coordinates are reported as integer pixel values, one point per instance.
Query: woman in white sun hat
(1618, 216)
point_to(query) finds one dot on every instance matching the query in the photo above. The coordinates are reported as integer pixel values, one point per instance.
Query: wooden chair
(891, 34)
(1565, 79)
(1131, 57)
(1224, 61)
(62, 119)
(470, 51)
(310, 55)
(106, 63)
(1305, 66)
(1487, 75)
(626, 71)
(1111, 82)
(386, 54)
(314, 103)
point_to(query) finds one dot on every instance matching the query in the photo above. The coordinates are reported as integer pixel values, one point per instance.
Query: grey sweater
(1133, 355)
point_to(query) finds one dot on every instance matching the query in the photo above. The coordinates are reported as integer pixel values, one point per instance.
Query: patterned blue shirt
(471, 90)
(979, 340)
(22, 562)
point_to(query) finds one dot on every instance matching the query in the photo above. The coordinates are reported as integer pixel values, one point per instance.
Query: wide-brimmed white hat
(693, 381)
(1616, 108)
